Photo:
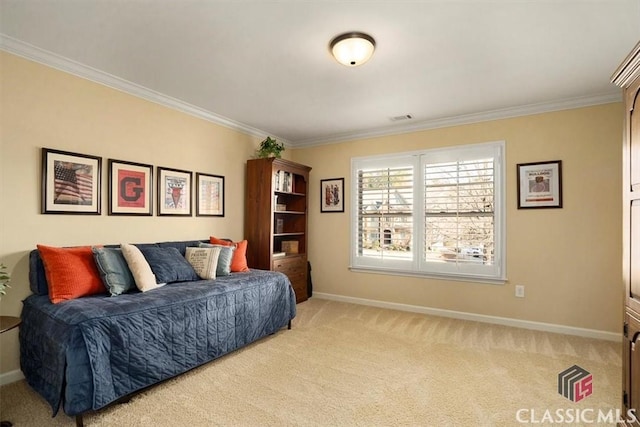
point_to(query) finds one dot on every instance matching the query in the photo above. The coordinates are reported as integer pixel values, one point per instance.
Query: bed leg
(79, 421)
(289, 325)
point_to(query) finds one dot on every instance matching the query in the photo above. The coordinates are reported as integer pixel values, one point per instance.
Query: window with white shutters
(434, 212)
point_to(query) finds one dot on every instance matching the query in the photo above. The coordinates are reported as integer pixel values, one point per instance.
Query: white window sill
(451, 277)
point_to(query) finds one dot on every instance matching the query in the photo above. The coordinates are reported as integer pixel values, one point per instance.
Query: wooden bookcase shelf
(276, 212)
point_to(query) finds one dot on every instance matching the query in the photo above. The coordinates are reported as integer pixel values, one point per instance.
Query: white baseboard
(505, 321)
(11, 377)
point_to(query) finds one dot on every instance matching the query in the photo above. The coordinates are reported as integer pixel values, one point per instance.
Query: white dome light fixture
(353, 48)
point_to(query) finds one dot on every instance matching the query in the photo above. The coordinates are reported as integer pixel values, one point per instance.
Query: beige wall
(568, 259)
(43, 107)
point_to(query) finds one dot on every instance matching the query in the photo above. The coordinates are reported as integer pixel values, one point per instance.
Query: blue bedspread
(88, 352)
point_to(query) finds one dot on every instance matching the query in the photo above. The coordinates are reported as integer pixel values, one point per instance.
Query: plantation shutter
(385, 223)
(436, 212)
(459, 209)
(460, 224)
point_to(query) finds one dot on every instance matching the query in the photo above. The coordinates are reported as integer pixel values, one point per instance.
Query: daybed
(89, 352)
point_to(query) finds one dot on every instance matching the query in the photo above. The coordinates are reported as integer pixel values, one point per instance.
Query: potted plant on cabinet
(270, 148)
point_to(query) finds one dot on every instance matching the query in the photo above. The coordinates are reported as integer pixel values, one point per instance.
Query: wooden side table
(6, 324)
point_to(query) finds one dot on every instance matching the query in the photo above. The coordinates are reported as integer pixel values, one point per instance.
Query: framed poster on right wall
(540, 185)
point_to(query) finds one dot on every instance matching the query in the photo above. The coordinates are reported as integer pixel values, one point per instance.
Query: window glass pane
(385, 204)
(459, 212)
(464, 240)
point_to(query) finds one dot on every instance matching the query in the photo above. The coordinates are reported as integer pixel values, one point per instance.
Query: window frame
(417, 267)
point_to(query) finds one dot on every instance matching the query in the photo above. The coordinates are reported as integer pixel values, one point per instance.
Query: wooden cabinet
(627, 76)
(276, 219)
(631, 363)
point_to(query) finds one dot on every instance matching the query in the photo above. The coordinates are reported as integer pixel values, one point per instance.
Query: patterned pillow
(224, 259)
(71, 272)
(168, 264)
(203, 260)
(142, 274)
(113, 269)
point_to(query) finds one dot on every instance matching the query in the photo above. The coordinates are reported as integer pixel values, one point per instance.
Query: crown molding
(33, 53)
(629, 70)
(465, 119)
(36, 54)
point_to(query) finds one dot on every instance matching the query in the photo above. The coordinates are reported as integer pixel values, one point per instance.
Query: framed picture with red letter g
(130, 187)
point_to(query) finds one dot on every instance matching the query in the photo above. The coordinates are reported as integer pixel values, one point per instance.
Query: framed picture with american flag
(70, 183)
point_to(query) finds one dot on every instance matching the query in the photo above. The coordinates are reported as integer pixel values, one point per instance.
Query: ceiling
(265, 66)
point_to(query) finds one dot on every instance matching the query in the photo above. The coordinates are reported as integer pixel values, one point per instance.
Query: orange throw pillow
(71, 272)
(239, 260)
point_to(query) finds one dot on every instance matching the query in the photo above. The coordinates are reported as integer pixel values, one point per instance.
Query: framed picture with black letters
(130, 188)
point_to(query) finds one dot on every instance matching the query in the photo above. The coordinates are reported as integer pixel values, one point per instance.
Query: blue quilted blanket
(88, 352)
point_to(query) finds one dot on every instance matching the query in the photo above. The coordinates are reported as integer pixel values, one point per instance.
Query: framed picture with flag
(70, 183)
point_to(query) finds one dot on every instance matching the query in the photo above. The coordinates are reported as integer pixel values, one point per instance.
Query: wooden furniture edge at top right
(627, 76)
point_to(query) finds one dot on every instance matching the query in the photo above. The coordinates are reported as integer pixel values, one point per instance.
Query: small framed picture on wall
(540, 185)
(332, 195)
(70, 183)
(210, 196)
(174, 192)
(130, 188)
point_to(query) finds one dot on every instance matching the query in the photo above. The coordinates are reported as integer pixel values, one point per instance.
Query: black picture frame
(71, 183)
(332, 195)
(210, 194)
(130, 188)
(540, 185)
(174, 192)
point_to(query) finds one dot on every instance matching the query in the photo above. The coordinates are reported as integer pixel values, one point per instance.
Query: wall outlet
(520, 291)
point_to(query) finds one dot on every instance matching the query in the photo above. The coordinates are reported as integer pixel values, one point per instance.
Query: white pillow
(140, 269)
(204, 261)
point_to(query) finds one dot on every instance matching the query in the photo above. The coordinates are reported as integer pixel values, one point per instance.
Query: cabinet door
(296, 270)
(633, 120)
(631, 364)
(631, 195)
(634, 253)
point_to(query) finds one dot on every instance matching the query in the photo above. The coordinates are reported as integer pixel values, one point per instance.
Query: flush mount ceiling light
(352, 49)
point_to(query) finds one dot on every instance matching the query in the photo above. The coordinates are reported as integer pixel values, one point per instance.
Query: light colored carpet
(351, 365)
